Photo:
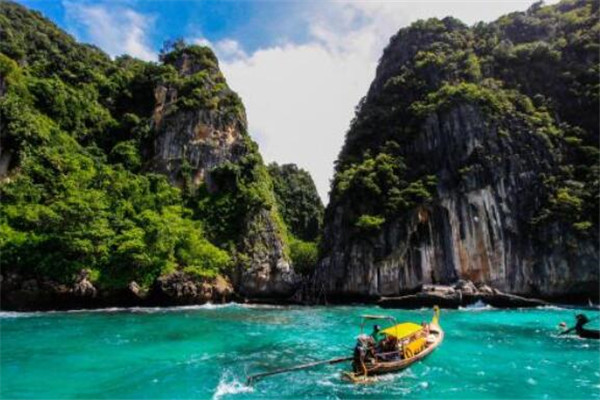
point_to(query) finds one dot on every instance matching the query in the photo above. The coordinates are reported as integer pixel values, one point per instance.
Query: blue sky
(214, 20)
(300, 66)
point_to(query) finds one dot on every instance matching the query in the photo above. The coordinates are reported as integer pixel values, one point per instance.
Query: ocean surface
(206, 352)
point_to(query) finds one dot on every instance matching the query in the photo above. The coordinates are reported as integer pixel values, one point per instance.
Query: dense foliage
(298, 200)
(77, 188)
(302, 211)
(534, 71)
(304, 255)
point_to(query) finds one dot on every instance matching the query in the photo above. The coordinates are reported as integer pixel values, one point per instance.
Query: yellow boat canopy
(403, 330)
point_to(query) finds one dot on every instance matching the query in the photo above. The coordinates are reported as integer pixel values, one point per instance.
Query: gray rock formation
(181, 288)
(200, 139)
(492, 168)
(27, 293)
(19, 293)
(476, 228)
(268, 273)
(190, 143)
(461, 294)
(82, 286)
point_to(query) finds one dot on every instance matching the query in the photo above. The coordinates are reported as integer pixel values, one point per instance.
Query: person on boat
(388, 349)
(358, 361)
(378, 337)
(562, 326)
(363, 351)
(377, 334)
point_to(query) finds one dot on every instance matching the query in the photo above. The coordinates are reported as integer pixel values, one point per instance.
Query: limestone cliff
(200, 132)
(459, 165)
(199, 122)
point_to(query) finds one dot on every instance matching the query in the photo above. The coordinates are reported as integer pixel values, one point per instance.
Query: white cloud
(202, 42)
(116, 29)
(300, 98)
(229, 48)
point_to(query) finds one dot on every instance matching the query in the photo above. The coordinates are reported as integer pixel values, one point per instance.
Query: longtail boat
(585, 333)
(403, 345)
(579, 329)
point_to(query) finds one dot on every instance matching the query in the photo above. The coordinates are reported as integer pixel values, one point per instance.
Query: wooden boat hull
(384, 367)
(588, 333)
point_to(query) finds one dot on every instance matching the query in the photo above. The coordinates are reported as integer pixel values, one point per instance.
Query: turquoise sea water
(207, 351)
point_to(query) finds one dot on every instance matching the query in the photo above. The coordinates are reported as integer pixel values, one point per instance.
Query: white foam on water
(229, 385)
(548, 307)
(206, 306)
(266, 306)
(16, 314)
(141, 310)
(477, 306)
(407, 373)
(532, 381)
(330, 380)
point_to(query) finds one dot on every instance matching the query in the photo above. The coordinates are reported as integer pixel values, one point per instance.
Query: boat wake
(230, 385)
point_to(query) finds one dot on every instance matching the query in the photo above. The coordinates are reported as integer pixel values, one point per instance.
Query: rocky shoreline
(461, 294)
(179, 289)
(29, 294)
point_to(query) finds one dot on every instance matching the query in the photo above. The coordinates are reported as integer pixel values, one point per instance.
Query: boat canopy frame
(368, 317)
(394, 325)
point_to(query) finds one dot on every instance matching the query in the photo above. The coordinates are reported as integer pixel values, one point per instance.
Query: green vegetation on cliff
(298, 200)
(533, 72)
(302, 211)
(77, 183)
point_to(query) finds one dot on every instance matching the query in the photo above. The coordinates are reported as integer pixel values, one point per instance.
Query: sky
(300, 67)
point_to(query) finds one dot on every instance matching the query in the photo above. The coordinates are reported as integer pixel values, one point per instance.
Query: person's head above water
(376, 328)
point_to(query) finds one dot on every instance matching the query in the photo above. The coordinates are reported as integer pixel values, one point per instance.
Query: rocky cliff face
(267, 272)
(193, 137)
(465, 175)
(201, 129)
